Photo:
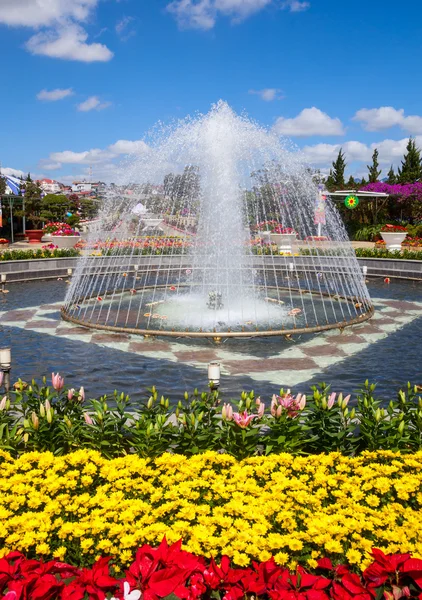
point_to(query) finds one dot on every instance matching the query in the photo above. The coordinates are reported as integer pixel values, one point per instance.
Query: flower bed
(298, 509)
(45, 252)
(144, 246)
(168, 570)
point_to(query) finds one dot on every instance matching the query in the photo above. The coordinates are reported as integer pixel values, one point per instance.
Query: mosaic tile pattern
(297, 363)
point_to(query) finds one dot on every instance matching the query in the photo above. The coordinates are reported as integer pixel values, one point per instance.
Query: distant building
(84, 186)
(49, 186)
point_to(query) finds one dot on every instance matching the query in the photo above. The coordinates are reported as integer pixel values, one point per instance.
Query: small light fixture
(135, 267)
(214, 375)
(365, 270)
(5, 366)
(69, 272)
(3, 282)
(291, 267)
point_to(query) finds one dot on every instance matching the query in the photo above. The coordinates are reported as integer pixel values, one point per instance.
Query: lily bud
(42, 410)
(150, 401)
(192, 419)
(70, 393)
(324, 404)
(26, 438)
(224, 412)
(81, 394)
(1, 378)
(49, 414)
(331, 400)
(258, 401)
(88, 419)
(35, 421)
(162, 401)
(340, 399)
(47, 405)
(186, 396)
(352, 414)
(167, 404)
(261, 410)
(248, 403)
(278, 412)
(345, 402)
(3, 403)
(378, 415)
(401, 427)
(302, 401)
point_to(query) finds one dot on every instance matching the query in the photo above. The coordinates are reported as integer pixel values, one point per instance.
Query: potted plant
(63, 235)
(393, 235)
(33, 202)
(3, 243)
(274, 232)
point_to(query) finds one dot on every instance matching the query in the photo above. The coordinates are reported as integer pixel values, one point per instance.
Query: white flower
(128, 595)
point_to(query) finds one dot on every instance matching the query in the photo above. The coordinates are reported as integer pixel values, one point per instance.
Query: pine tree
(374, 173)
(411, 168)
(351, 183)
(363, 182)
(329, 182)
(339, 166)
(392, 178)
(2, 185)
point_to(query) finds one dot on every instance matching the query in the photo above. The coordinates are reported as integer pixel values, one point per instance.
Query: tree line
(409, 172)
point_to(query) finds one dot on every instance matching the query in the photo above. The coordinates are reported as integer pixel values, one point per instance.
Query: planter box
(393, 239)
(65, 241)
(34, 235)
(284, 241)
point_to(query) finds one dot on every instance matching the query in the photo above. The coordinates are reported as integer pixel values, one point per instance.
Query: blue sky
(83, 80)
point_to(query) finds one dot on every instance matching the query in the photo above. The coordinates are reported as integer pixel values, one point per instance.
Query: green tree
(339, 166)
(363, 182)
(329, 182)
(411, 168)
(54, 207)
(392, 178)
(2, 186)
(373, 170)
(183, 190)
(351, 182)
(33, 202)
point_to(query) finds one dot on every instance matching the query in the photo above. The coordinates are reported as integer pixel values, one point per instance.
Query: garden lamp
(214, 375)
(5, 366)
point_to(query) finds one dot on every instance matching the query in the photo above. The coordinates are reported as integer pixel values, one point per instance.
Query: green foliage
(351, 183)
(367, 233)
(2, 186)
(392, 177)
(38, 417)
(33, 202)
(384, 253)
(37, 254)
(373, 170)
(339, 167)
(411, 168)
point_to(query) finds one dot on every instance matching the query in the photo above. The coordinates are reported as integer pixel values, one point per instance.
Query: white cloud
(12, 172)
(50, 166)
(42, 13)
(97, 155)
(53, 95)
(376, 119)
(68, 42)
(123, 30)
(296, 6)
(267, 94)
(58, 24)
(128, 147)
(203, 14)
(311, 121)
(93, 103)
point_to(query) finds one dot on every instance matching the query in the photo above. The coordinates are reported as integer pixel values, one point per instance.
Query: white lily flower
(127, 594)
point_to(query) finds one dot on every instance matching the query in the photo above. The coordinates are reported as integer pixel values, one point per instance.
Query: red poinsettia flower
(383, 568)
(95, 582)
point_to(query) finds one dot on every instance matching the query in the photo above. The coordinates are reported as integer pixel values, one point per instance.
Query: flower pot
(65, 241)
(46, 237)
(34, 235)
(393, 239)
(284, 241)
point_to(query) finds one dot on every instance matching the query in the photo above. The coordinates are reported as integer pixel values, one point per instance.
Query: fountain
(248, 198)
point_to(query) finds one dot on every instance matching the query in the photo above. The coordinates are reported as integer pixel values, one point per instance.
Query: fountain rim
(227, 334)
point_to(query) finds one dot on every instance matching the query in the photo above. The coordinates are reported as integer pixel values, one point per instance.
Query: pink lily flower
(81, 394)
(1, 378)
(331, 400)
(57, 381)
(243, 419)
(3, 403)
(70, 394)
(261, 410)
(227, 412)
(88, 419)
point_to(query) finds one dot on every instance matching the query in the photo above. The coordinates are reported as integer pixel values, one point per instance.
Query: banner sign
(320, 200)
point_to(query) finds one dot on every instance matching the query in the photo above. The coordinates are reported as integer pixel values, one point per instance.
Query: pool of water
(387, 350)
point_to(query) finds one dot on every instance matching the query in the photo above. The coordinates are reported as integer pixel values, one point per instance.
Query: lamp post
(214, 375)
(5, 366)
(3, 282)
(69, 272)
